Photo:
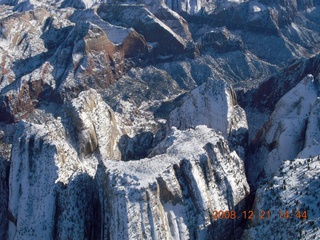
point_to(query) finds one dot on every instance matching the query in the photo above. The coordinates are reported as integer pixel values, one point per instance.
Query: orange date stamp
(262, 214)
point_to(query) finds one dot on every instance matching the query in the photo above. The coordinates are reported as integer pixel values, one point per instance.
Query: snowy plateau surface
(140, 119)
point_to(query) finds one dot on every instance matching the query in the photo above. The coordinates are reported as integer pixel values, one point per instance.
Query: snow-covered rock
(172, 195)
(127, 39)
(53, 168)
(95, 126)
(221, 41)
(60, 61)
(213, 104)
(144, 22)
(311, 146)
(36, 158)
(67, 58)
(86, 55)
(270, 91)
(198, 7)
(173, 20)
(66, 167)
(287, 131)
(290, 201)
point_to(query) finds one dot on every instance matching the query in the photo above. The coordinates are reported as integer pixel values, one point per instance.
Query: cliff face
(287, 132)
(65, 173)
(283, 164)
(66, 59)
(53, 168)
(213, 104)
(172, 195)
(292, 198)
(118, 119)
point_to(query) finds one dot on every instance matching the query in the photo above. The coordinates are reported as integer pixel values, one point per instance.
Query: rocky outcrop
(67, 59)
(283, 136)
(221, 41)
(66, 167)
(129, 43)
(173, 195)
(291, 202)
(266, 25)
(270, 91)
(311, 145)
(53, 168)
(190, 7)
(95, 126)
(20, 37)
(145, 23)
(43, 162)
(174, 21)
(213, 104)
(87, 55)
(117, 129)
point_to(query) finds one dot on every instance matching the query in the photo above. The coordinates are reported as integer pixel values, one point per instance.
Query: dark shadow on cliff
(163, 111)
(78, 203)
(137, 147)
(231, 227)
(4, 196)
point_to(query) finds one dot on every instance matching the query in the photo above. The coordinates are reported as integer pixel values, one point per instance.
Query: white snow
(115, 34)
(256, 7)
(185, 149)
(294, 188)
(287, 126)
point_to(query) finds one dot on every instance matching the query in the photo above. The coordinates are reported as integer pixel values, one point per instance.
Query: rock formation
(130, 119)
(283, 136)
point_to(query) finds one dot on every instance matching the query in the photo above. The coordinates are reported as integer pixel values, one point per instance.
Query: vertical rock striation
(173, 195)
(65, 180)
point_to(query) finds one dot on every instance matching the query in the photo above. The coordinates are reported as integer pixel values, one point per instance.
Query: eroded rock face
(66, 59)
(21, 52)
(311, 145)
(52, 175)
(213, 104)
(95, 125)
(129, 43)
(52, 54)
(172, 195)
(173, 20)
(34, 169)
(283, 136)
(44, 163)
(87, 57)
(145, 23)
(221, 41)
(267, 95)
(67, 167)
(65, 178)
(294, 187)
(191, 7)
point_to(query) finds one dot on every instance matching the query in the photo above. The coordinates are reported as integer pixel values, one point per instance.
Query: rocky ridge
(285, 134)
(80, 147)
(103, 106)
